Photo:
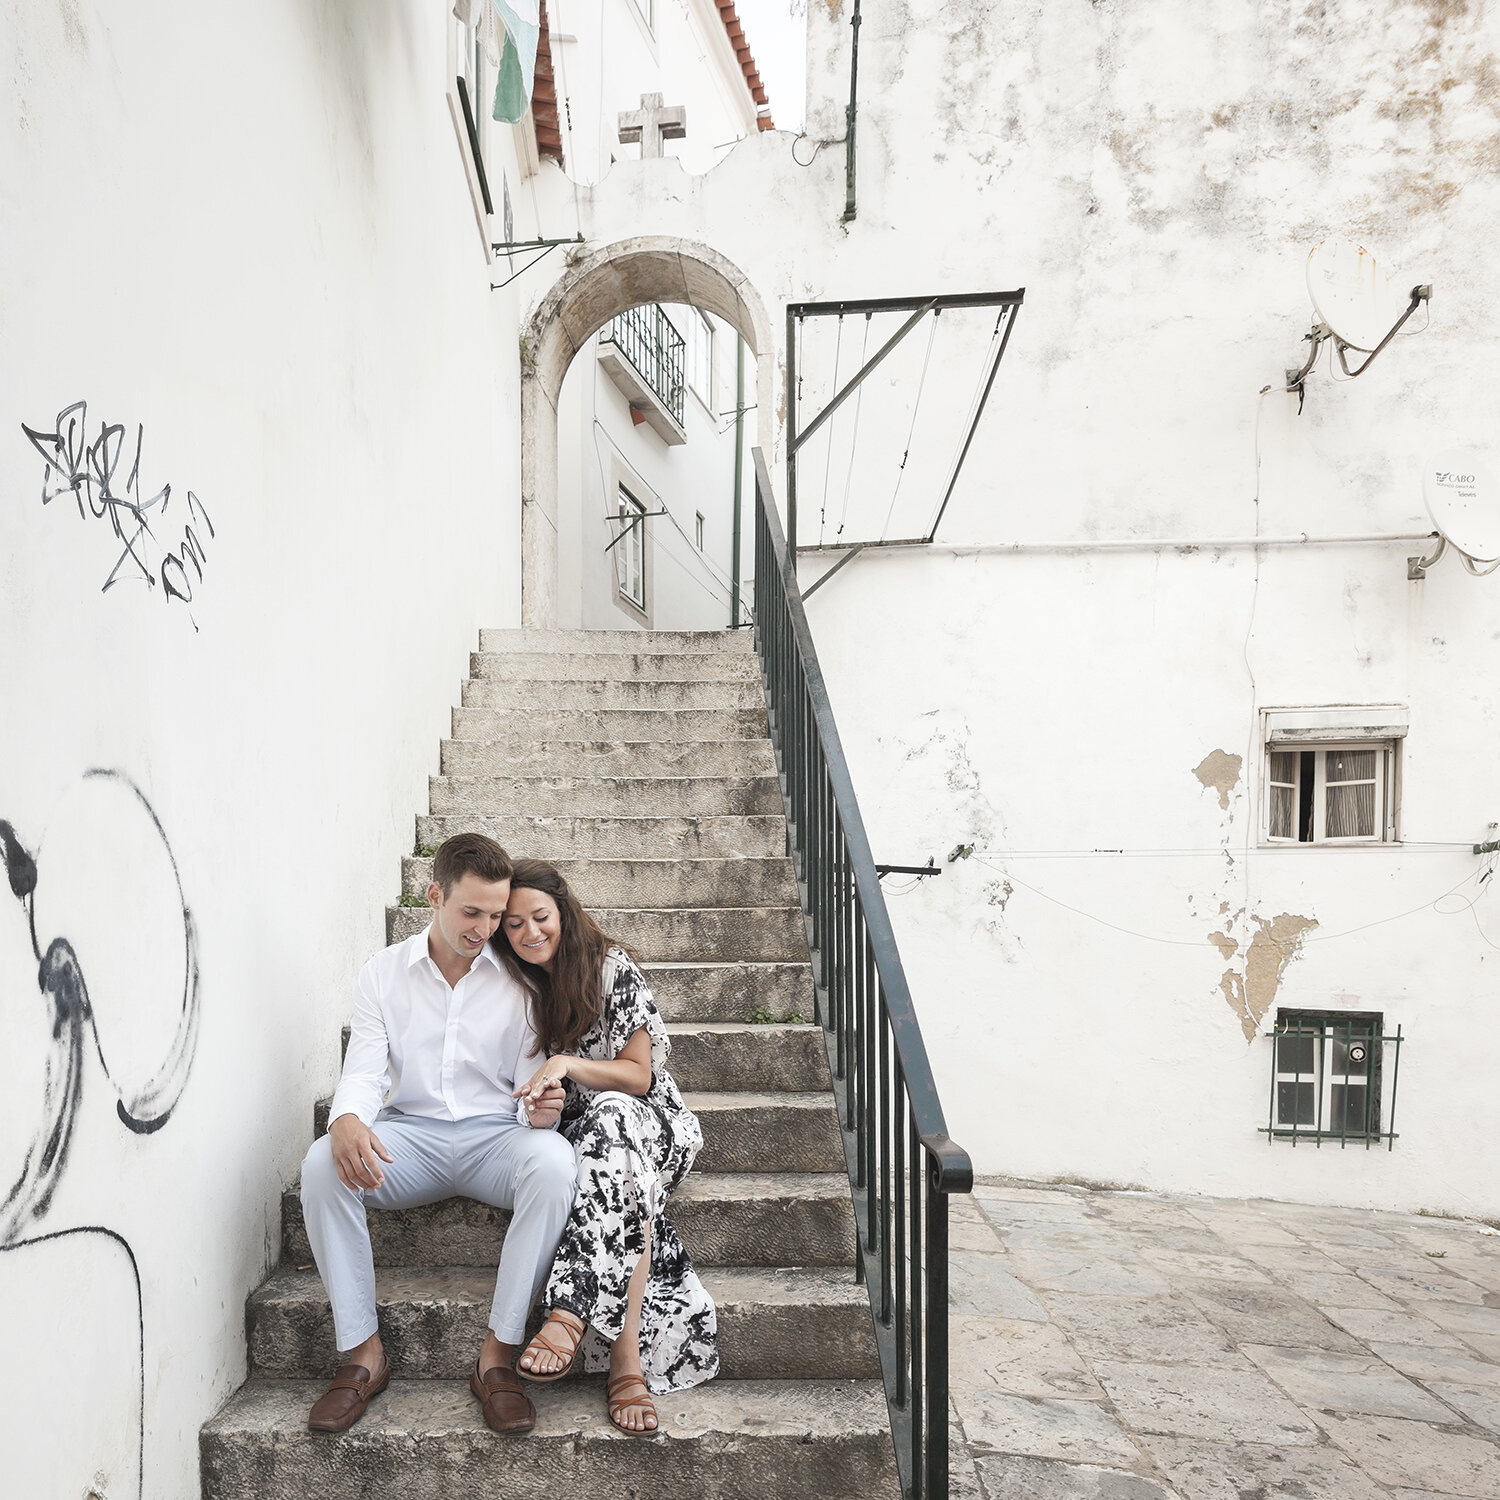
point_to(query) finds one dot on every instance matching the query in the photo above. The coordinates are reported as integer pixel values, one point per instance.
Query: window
(630, 550)
(474, 42)
(700, 342)
(698, 531)
(1331, 775)
(1327, 1076)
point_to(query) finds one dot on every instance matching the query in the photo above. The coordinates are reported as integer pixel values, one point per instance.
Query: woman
(623, 1293)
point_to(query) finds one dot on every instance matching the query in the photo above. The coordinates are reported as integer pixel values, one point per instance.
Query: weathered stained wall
(1154, 177)
(244, 234)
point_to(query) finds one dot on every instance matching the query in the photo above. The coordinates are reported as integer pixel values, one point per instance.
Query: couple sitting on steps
(524, 1067)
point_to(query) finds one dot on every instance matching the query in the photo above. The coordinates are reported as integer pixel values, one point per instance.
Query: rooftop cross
(651, 125)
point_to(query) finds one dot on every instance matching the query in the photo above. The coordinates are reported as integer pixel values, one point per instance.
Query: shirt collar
(419, 951)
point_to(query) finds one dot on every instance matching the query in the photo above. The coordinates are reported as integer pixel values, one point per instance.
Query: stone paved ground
(1139, 1346)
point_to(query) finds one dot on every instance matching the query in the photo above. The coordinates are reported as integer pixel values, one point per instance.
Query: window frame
(632, 547)
(1322, 1028)
(1320, 733)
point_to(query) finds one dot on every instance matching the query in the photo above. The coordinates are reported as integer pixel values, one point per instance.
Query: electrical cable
(1326, 937)
(970, 418)
(915, 408)
(838, 345)
(859, 398)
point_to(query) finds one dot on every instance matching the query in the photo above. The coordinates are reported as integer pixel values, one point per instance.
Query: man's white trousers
(492, 1158)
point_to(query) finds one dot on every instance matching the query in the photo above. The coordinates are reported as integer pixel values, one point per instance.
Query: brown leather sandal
(347, 1396)
(570, 1325)
(618, 1403)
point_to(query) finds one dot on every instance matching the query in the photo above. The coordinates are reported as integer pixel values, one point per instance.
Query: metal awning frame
(918, 307)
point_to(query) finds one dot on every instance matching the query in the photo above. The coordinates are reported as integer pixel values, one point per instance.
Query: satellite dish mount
(1351, 294)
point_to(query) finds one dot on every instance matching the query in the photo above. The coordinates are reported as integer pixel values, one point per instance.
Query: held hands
(543, 1094)
(355, 1149)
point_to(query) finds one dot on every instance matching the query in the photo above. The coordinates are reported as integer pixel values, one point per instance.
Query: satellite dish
(1351, 293)
(1464, 504)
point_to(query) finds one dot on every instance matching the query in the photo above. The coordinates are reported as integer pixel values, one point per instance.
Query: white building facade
(219, 724)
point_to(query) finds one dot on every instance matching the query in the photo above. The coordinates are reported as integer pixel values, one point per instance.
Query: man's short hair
(469, 854)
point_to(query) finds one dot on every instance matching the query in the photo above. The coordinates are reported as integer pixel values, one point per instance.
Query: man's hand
(355, 1151)
(545, 1109)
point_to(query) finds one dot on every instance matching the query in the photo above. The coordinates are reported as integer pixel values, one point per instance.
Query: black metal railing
(902, 1164)
(648, 340)
(1328, 1074)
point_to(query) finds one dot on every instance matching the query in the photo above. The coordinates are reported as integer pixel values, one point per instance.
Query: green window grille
(1329, 1078)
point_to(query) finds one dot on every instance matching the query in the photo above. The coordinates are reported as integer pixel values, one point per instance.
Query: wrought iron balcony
(646, 357)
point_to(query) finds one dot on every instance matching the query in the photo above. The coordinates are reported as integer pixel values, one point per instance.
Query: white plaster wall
(686, 589)
(1154, 178)
(248, 230)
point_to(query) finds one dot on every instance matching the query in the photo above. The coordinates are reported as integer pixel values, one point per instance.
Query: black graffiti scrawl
(143, 1104)
(156, 549)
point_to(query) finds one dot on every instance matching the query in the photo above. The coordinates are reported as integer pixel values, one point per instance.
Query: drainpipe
(739, 471)
(849, 120)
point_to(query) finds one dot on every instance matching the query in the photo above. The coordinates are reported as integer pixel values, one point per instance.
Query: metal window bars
(646, 337)
(1327, 1080)
(902, 1165)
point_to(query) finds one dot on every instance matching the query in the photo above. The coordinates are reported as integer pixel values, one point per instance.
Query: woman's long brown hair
(565, 1000)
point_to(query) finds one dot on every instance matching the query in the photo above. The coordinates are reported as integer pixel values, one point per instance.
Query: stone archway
(607, 281)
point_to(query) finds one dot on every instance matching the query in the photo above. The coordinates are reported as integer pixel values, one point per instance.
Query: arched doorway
(607, 281)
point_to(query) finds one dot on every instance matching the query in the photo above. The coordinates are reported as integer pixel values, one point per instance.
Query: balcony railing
(646, 337)
(902, 1165)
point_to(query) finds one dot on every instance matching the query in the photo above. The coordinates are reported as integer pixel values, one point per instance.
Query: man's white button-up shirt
(427, 1049)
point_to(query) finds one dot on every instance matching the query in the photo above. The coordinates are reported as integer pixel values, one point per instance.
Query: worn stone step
(731, 992)
(740, 1057)
(657, 882)
(728, 642)
(746, 1132)
(798, 1324)
(685, 933)
(662, 726)
(725, 1219)
(634, 758)
(606, 796)
(711, 836)
(604, 692)
(644, 665)
(426, 1440)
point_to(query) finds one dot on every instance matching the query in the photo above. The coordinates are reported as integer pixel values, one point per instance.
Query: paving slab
(1391, 1325)
(1428, 1286)
(1076, 1270)
(1337, 1289)
(1463, 1318)
(1415, 1454)
(1177, 1261)
(978, 1239)
(1161, 1330)
(1265, 1315)
(1192, 1401)
(1425, 1364)
(1010, 1477)
(1347, 1382)
(1259, 1471)
(1082, 1431)
(985, 1284)
(1019, 1357)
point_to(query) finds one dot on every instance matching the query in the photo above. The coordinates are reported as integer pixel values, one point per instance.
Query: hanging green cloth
(521, 20)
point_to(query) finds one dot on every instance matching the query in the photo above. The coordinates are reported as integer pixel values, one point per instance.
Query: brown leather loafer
(503, 1399)
(347, 1396)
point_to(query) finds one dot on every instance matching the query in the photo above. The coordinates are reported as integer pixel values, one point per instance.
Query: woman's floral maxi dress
(632, 1152)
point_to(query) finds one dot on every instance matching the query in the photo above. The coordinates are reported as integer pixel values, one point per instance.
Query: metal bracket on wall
(543, 247)
(631, 522)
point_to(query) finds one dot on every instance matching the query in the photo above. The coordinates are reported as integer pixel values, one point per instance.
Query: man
(439, 1041)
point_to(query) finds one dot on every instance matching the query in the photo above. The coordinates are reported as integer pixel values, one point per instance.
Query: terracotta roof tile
(741, 44)
(544, 97)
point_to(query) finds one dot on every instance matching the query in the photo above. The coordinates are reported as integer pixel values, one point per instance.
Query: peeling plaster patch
(1275, 944)
(1220, 772)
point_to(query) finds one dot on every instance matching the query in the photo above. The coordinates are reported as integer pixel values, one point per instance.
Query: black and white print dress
(632, 1152)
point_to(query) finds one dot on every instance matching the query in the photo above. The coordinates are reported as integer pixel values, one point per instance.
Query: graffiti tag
(90, 473)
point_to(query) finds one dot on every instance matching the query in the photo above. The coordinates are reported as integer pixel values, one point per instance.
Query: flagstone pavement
(1143, 1346)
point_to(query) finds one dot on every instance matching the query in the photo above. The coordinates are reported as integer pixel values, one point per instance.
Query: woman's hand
(543, 1094)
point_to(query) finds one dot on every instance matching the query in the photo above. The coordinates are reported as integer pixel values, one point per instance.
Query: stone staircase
(640, 763)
